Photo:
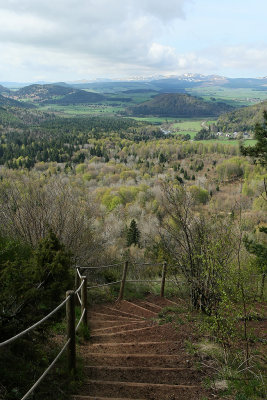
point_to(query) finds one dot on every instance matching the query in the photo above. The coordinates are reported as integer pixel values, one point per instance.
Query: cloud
(69, 39)
(96, 32)
(245, 57)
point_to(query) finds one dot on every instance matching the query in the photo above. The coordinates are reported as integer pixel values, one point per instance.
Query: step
(148, 391)
(151, 306)
(150, 333)
(117, 311)
(141, 310)
(138, 360)
(110, 317)
(77, 397)
(100, 336)
(115, 328)
(106, 323)
(159, 375)
(169, 347)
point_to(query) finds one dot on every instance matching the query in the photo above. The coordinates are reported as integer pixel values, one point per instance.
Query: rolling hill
(4, 90)
(9, 102)
(243, 119)
(179, 105)
(61, 94)
(77, 97)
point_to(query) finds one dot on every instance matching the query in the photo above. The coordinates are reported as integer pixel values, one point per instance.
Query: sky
(70, 40)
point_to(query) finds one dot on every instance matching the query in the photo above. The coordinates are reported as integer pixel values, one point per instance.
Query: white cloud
(69, 39)
(244, 57)
(95, 32)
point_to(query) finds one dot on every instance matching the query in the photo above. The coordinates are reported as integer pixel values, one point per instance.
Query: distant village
(234, 135)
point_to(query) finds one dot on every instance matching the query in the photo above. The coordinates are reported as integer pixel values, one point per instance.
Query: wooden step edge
(114, 321)
(123, 332)
(115, 316)
(152, 305)
(123, 312)
(79, 397)
(122, 368)
(143, 384)
(118, 326)
(133, 355)
(142, 308)
(110, 344)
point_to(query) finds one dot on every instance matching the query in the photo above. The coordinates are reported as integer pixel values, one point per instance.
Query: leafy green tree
(133, 234)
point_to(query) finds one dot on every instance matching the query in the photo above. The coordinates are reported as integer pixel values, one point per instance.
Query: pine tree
(133, 234)
(259, 151)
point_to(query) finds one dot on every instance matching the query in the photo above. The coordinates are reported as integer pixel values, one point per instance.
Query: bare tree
(201, 246)
(29, 208)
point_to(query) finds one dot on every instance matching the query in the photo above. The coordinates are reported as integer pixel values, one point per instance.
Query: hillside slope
(243, 119)
(55, 94)
(9, 102)
(179, 105)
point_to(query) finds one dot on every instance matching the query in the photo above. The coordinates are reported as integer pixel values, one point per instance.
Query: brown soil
(131, 357)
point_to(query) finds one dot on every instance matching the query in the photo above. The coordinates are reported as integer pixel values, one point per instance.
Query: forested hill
(179, 105)
(8, 102)
(43, 92)
(243, 119)
(4, 89)
(56, 94)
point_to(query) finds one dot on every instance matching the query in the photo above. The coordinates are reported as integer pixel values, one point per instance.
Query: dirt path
(131, 357)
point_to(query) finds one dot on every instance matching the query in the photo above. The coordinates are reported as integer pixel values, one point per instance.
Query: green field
(94, 109)
(235, 97)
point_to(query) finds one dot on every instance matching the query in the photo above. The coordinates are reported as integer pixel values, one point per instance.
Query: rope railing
(80, 295)
(103, 266)
(80, 320)
(79, 288)
(71, 328)
(34, 325)
(46, 371)
(103, 284)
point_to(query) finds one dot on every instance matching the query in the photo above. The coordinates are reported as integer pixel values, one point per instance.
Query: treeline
(31, 137)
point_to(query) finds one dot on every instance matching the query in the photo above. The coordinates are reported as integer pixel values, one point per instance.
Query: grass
(83, 109)
(236, 97)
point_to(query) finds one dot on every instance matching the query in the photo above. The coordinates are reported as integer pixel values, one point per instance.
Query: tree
(259, 154)
(133, 234)
(201, 247)
(260, 251)
(259, 150)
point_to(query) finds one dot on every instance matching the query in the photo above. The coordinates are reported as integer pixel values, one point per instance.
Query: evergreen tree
(133, 234)
(259, 151)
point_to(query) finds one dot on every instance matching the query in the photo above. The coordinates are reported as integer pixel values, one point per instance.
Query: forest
(95, 190)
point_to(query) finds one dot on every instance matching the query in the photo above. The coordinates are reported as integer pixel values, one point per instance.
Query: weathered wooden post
(84, 299)
(164, 270)
(70, 315)
(124, 274)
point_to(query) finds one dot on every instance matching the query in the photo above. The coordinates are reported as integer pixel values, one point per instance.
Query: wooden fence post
(70, 315)
(164, 270)
(124, 274)
(84, 299)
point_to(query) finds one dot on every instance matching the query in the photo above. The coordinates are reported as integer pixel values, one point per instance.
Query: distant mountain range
(161, 82)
